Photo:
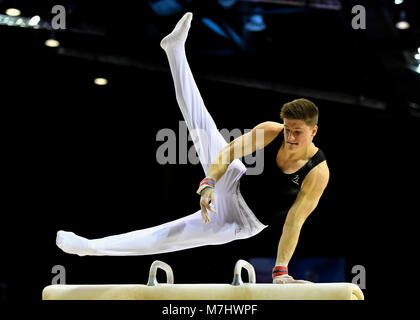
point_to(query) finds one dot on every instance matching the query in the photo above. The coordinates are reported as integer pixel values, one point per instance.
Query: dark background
(82, 158)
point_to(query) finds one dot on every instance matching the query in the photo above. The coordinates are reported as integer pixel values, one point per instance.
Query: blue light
(215, 27)
(166, 7)
(255, 23)
(227, 3)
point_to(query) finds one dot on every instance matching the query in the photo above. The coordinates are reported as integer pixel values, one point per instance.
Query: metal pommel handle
(237, 279)
(153, 270)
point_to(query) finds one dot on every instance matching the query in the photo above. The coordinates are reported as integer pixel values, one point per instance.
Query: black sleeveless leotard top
(271, 193)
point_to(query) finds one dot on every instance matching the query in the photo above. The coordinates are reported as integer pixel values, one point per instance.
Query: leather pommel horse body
(238, 290)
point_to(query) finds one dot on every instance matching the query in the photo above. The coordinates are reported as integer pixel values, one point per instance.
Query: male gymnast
(294, 178)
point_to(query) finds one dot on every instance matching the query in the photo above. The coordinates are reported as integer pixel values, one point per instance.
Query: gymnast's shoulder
(318, 177)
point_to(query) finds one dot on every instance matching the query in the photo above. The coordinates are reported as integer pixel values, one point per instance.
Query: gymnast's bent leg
(189, 231)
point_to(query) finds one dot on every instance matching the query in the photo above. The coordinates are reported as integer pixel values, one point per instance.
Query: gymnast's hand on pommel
(207, 195)
(287, 279)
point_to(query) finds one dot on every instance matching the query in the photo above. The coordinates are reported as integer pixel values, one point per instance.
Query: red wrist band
(279, 271)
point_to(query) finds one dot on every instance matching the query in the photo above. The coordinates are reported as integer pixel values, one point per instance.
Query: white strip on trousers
(233, 220)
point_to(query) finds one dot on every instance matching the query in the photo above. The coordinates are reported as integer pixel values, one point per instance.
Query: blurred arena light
(34, 21)
(255, 22)
(22, 22)
(52, 43)
(214, 27)
(165, 7)
(13, 12)
(227, 4)
(319, 4)
(100, 81)
(403, 24)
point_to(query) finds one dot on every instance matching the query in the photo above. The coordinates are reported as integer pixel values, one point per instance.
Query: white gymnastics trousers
(234, 220)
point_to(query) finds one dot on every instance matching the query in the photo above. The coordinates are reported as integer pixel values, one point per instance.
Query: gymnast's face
(297, 134)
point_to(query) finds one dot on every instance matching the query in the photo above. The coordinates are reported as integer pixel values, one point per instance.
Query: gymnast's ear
(314, 130)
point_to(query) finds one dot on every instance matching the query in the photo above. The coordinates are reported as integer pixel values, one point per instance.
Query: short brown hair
(300, 109)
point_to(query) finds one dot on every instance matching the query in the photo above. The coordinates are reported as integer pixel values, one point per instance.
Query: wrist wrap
(279, 271)
(206, 183)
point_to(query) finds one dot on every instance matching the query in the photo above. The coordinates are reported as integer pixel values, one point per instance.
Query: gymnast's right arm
(260, 136)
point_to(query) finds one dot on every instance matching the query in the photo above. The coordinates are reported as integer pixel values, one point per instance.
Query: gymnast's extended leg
(208, 141)
(189, 231)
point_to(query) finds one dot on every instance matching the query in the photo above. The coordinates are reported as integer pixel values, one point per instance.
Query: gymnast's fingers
(278, 281)
(204, 215)
(205, 200)
(213, 201)
(209, 208)
(301, 281)
(283, 280)
(206, 218)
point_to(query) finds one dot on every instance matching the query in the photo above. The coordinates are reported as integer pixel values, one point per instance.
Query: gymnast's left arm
(306, 201)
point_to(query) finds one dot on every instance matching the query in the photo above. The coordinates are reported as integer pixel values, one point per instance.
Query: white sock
(72, 243)
(179, 34)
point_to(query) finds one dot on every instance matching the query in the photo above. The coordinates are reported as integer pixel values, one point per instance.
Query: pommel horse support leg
(238, 290)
